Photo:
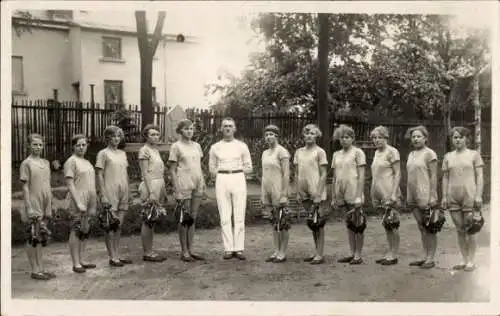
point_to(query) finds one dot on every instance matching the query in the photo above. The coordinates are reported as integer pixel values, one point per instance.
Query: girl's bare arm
(361, 182)
(100, 183)
(143, 164)
(70, 184)
(322, 179)
(396, 167)
(285, 166)
(433, 178)
(479, 183)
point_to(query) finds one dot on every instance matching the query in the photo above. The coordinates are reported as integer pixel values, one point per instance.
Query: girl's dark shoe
(114, 263)
(154, 258)
(417, 263)
(356, 261)
(428, 265)
(126, 261)
(345, 259)
(187, 258)
(89, 266)
(379, 261)
(318, 261)
(389, 262)
(197, 257)
(49, 274)
(459, 267)
(309, 259)
(228, 255)
(79, 270)
(40, 276)
(279, 260)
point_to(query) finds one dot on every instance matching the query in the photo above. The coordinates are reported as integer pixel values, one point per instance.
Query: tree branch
(158, 30)
(142, 32)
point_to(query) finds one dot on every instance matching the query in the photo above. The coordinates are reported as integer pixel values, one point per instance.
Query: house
(73, 50)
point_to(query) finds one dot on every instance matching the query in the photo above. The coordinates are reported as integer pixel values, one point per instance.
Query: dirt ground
(255, 279)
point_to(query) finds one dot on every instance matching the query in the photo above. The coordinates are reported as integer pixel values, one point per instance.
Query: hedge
(208, 218)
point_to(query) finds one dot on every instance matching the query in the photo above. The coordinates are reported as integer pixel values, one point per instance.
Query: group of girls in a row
(86, 196)
(462, 189)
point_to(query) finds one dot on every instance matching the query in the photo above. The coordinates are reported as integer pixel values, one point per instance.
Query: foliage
(127, 121)
(407, 66)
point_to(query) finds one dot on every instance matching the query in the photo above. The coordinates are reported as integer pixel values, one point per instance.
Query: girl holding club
(274, 190)
(112, 178)
(311, 169)
(348, 166)
(422, 189)
(462, 191)
(189, 184)
(35, 176)
(385, 190)
(152, 188)
(82, 199)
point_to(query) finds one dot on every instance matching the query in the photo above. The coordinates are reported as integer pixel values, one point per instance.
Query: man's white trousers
(231, 194)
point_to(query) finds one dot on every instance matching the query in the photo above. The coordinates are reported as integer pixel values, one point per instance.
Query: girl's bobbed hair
(34, 136)
(76, 138)
(312, 128)
(183, 124)
(111, 131)
(422, 129)
(462, 131)
(273, 129)
(343, 130)
(380, 130)
(149, 127)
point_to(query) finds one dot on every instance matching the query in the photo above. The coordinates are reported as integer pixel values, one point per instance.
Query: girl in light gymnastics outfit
(311, 168)
(421, 194)
(35, 176)
(112, 179)
(189, 184)
(385, 190)
(152, 188)
(462, 191)
(274, 190)
(81, 198)
(348, 166)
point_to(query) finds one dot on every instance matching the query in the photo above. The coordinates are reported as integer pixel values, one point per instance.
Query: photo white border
(128, 307)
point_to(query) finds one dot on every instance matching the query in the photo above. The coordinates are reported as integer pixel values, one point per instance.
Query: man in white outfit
(229, 161)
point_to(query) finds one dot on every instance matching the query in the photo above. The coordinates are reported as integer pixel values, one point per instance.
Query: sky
(225, 35)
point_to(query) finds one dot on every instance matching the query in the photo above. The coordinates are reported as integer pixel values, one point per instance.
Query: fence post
(57, 116)
(92, 112)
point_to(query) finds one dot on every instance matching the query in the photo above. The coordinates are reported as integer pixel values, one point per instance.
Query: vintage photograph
(231, 155)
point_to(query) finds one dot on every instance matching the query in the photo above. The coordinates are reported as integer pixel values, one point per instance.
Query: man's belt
(229, 171)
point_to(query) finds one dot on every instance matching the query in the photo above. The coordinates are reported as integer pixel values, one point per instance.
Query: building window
(153, 94)
(61, 14)
(17, 74)
(112, 47)
(113, 92)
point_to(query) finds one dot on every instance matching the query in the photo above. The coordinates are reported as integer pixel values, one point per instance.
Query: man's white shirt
(229, 156)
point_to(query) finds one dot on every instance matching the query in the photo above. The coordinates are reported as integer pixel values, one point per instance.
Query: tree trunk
(146, 91)
(322, 113)
(477, 112)
(447, 121)
(147, 49)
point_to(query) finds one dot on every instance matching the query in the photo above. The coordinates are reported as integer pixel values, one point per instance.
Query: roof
(92, 27)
